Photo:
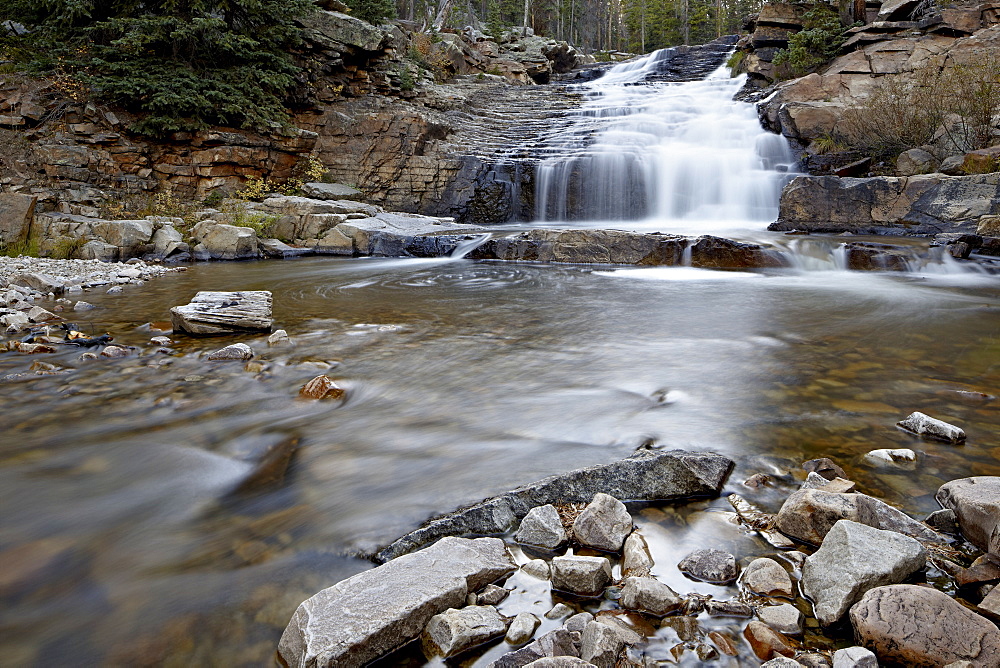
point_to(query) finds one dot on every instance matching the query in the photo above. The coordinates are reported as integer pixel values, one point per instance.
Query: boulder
(584, 247)
(39, 282)
(167, 241)
(585, 576)
(853, 559)
(601, 645)
(537, 568)
(522, 627)
(887, 456)
(784, 618)
(647, 594)
(976, 502)
(915, 161)
(766, 642)
(236, 351)
(228, 242)
(925, 425)
(558, 643)
(339, 32)
(492, 595)
(808, 514)
(604, 524)
(98, 250)
(710, 252)
(126, 235)
(766, 577)
(541, 527)
(224, 313)
(16, 213)
(923, 627)
(988, 226)
(710, 566)
(646, 475)
(867, 256)
(991, 602)
(457, 630)
(854, 657)
(331, 191)
(370, 614)
(636, 558)
(406, 235)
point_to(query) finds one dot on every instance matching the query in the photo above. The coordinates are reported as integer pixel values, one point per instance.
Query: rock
(945, 521)
(559, 610)
(766, 642)
(646, 475)
(728, 609)
(891, 456)
(814, 481)
(125, 235)
(920, 626)
(167, 241)
(279, 249)
(492, 595)
(781, 662)
(809, 514)
(541, 527)
(824, 467)
(38, 282)
(604, 524)
(784, 618)
(98, 250)
(278, 337)
(601, 645)
(988, 226)
(560, 662)
(586, 576)
(227, 242)
(952, 166)
(991, 602)
(710, 566)
(224, 313)
(854, 657)
(15, 321)
(321, 387)
(406, 235)
(522, 628)
(717, 253)
(766, 577)
(339, 32)
(537, 568)
(331, 191)
(915, 161)
(647, 594)
(41, 349)
(558, 643)
(115, 290)
(814, 660)
(16, 213)
(853, 559)
(924, 425)
(897, 10)
(114, 351)
(457, 630)
(578, 622)
(636, 558)
(83, 306)
(839, 486)
(37, 314)
(236, 351)
(367, 615)
(976, 502)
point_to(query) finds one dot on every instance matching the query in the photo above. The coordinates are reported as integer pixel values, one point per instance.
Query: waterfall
(670, 155)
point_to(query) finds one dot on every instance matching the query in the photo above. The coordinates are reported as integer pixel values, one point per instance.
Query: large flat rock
(647, 475)
(976, 502)
(224, 313)
(406, 235)
(372, 613)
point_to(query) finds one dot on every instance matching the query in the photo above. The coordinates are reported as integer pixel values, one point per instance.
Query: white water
(672, 156)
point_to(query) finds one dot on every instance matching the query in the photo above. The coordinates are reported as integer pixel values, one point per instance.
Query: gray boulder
(976, 502)
(784, 618)
(522, 627)
(601, 645)
(809, 514)
(647, 594)
(604, 524)
(585, 576)
(127, 235)
(560, 642)
(767, 577)
(457, 630)
(923, 627)
(646, 475)
(370, 614)
(925, 425)
(853, 559)
(710, 566)
(560, 662)
(636, 558)
(915, 161)
(227, 242)
(331, 191)
(541, 527)
(167, 241)
(16, 213)
(339, 32)
(224, 313)
(854, 657)
(781, 662)
(39, 282)
(406, 235)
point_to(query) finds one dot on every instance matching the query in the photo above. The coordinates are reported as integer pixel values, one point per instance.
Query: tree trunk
(527, 7)
(442, 16)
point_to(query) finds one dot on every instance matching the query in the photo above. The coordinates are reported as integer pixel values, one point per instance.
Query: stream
(123, 541)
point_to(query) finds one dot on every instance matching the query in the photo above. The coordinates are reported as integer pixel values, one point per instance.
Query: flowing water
(123, 541)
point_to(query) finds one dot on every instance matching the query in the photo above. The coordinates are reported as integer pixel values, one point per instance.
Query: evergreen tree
(373, 11)
(180, 64)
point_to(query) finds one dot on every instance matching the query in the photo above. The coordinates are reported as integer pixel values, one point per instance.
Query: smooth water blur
(124, 545)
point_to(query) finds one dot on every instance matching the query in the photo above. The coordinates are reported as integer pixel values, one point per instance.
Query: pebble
(278, 337)
(83, 306)
(321, 387)
(522, 628)
(236, 351)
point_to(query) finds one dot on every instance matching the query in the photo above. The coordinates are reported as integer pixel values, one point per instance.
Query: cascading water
(675, 155)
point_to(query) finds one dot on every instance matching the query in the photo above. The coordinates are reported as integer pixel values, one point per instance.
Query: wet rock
(647, 594)
(278, 337)
(991, 602)
(585, 247)
(586, 576)
(578, 622)
(522, 628)
(814, 481)
(766, 577)
(976, 502)
(558, 643)
(853, 559)
(457, 630)
(492, 595)
(766, 642)
(115, 290)
(15, 322)
(648, 474)
(37, 314)
(541, 527)
(728, 609)
(559, 610)
(83, 306)
(114, 351)
(321, 387)
(781, 662)
(601, 645)
(716, 253)
(824, 467)
(235, 351)
(537, 568)
(866, 256)
(809, 514)
(784, 618)
(839, 486)
(945, 521)
(372, 613)
(224, 313)
(560, 662)
(604, 524)
(923, 627)
(854, 657)
(814, 660)
(888, 456)
(723, 642)
(710, 566)
(925, 425)
(636, 558)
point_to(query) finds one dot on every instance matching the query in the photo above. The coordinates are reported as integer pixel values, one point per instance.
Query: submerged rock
(710, 566)
(925, 425)
(923, 627)
(853, 559)
(766, 642)
(604, 524)
(646, 475)
(367, 615)
(321, 387)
